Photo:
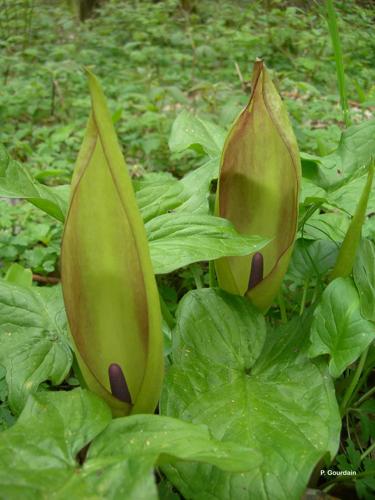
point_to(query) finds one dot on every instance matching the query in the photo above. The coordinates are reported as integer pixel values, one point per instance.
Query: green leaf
(254, 388)
(310, 191)
(16, 182)
(196, 186)
(346, 197)
(364, 278)
(38, 454)
(331, 225)
(7, 419)
(166, 491)
(311, 260)
(34, 345)
(356, 147)
(19, 275)
(354, 151)
(158, 194)
(338, 328)
(129, 448)
(179, 239)
(189, 131)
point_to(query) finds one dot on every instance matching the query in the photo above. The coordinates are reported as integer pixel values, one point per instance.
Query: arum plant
(258, 192)
(108, 283)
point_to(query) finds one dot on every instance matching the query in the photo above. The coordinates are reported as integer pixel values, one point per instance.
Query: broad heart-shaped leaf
(189, 131)
(310, 191)
(34, 344)
(127, 451)
(16, 182)
(19, 275)
(338, 328)
(346, 197)
(109, 287)
(179, 239)
(311, 260)
(197, 187)
(38, 455)
(254, 388)
(330, 225)
(158, 193)
(364, 278)
(355, 149)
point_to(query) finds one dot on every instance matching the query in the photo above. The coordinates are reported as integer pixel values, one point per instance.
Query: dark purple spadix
(119, 387)
(256, 273)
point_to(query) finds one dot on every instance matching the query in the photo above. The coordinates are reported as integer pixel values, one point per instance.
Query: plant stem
(368, 451)
(365, 396)
(309, 213)
(212, 274)
(363, 379)
(50, 280)
(196, 275)
(304, 293)
(328, 485)
(169, 319)
(350, 389)
(336, 45)
(348, 426)
(284, 317)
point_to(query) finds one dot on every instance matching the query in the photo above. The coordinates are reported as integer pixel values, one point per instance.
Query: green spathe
(258, 189)
(346, 257)
(109, 287)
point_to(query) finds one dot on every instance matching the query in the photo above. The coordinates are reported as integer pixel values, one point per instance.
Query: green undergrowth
(252, 406)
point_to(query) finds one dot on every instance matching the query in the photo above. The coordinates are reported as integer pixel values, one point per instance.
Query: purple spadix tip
(119, 387)
(256, 273)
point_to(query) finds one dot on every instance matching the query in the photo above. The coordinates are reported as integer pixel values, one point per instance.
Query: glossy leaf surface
(159, 193)
(253, 388)
(311, 260)
(355, 149)
(179, 239)
(34, 344)
(338, 328)
(17, 182)
(189, 131)
(38, 456)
